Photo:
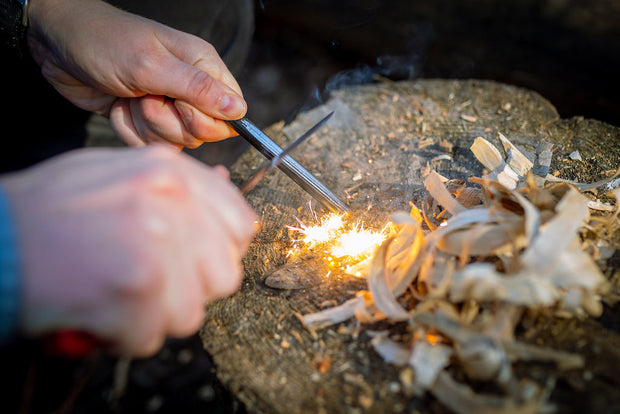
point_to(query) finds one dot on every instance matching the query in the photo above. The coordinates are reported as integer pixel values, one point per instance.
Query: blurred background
(567, 50)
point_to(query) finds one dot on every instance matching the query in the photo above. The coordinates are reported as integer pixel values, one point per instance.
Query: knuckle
(229, 284)
(142, 68)
(247, 223)
(148, 110)
(161, 154)
(143, 279)
(202, 84)
(165, 177)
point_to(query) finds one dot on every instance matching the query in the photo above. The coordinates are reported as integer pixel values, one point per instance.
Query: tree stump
(374, 153)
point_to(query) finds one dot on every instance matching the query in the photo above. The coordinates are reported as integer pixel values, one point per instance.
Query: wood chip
(469, 118)
(532, 233)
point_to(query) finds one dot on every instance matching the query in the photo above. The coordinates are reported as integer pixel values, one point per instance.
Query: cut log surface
(374, 153)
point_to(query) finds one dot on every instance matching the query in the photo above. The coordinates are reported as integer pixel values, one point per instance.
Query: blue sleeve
(9, 273)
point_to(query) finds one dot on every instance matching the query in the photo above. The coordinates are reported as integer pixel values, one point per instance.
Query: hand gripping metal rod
(288, 165)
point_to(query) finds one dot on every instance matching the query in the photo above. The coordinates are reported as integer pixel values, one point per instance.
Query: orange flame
(432, 339)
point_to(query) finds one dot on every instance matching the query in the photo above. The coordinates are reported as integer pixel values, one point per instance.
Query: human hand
(126, 244)
(154, 83)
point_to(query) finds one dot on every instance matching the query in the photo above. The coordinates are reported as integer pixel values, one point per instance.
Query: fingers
(205, 57)
(136, 335)
(122, 124)
(237, 219)
(221, 278)
(202, 93)
(221, 171)
(174, 231)
(211, 96)
(210, 195)
(202, 126)
(182, 297)
(156, 120)
(200, 255)
(211, 270)
(201, 77)
(153, 118)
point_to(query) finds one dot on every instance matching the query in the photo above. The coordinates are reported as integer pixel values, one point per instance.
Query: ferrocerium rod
(259, 140)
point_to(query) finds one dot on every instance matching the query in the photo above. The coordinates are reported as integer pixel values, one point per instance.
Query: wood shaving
(516, 244)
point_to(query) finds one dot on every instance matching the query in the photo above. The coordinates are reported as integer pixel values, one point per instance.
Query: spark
(358, 242)
(342, 243)
(320, 233)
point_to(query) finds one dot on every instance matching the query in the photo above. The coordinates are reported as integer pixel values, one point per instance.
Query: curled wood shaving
(477, 270)
(428, 361)
(600, 206)
(524, 352)
(493, 161)
(481, 357)
(532, 217)
(331, 316)
(391, 351)
(407, 260)
(382, 296)
(365, 309)
(463, 400)
(435, 186)
(556, 235)
(481, 238)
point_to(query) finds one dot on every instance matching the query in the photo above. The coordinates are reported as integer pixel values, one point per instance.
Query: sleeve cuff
(9, 273)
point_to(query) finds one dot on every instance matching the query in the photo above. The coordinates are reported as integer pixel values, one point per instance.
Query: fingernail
(232, 106)
(185, 111)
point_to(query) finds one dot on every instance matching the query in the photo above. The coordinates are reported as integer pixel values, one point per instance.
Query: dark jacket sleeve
(12, 28)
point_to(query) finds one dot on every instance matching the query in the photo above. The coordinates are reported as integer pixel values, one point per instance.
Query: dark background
(567, 50)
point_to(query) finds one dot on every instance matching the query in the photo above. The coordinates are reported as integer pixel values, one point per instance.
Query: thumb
(198, 88)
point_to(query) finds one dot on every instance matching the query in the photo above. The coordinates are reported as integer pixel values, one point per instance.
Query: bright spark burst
(357, 243)
(342, 242)
(326, 230)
